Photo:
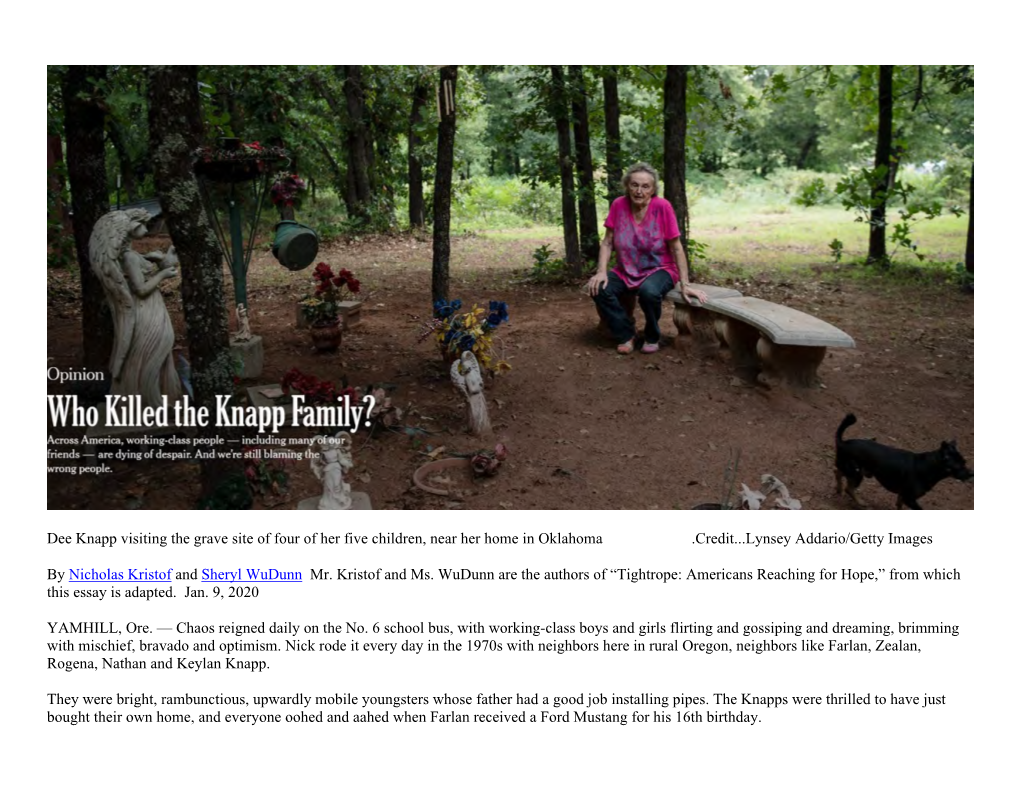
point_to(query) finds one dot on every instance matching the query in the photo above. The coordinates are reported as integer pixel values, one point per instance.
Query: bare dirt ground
(585, 427)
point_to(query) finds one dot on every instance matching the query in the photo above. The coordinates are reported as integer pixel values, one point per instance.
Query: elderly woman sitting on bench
(642, 229)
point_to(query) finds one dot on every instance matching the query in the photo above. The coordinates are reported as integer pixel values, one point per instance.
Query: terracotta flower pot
(326, 338)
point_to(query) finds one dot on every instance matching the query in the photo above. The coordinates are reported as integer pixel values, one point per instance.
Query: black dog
(905, 473)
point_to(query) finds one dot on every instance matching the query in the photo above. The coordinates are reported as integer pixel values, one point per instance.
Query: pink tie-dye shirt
(643, 248)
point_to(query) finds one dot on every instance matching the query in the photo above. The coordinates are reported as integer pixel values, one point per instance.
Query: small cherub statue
(243, 333)
(329, 463)
(467, 377)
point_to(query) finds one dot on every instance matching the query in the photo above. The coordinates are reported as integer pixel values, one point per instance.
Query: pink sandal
(626, 348)
(650, 347)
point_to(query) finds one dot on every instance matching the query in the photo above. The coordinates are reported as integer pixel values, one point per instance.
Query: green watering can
(295, 245)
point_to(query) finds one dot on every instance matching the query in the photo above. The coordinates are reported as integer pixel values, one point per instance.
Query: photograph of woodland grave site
(510, 287)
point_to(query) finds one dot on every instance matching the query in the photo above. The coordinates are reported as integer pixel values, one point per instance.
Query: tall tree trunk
(806, 149)
(416, 196)
(585, 170)
(560, 110)
(969, 258)
(883, 168)
(675, 150)
(343, 179)
(90, 199)
(614, 155)
(175, 129)
(370, 143)
(55, 184)
(339, 176)
(126, 166)
(442, 192)
(357, 140)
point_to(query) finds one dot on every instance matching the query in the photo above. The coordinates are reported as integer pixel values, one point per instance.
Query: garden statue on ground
(142, 361)
(331, 458)
(467, 377)
(243, 333)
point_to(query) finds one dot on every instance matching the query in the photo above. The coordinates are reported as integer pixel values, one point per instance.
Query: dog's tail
(850, 419)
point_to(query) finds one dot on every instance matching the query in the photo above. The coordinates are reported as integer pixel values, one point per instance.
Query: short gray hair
(641, 167)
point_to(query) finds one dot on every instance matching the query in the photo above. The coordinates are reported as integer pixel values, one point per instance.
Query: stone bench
(759, 334)
(685, 319)
(786, 342)
(689, 317)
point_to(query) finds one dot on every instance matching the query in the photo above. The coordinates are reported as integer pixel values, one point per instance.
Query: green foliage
(948, 182)
(964, 277)
(231, 493)
(824, 117)
(769, 135)
(59, 244)
(55, 99)
(836, 247)
(538, 203)
(780, 187)
(264, 477)
(325, 214)
(864, 190)
(486, 203)
(696, 250)
(811, 193)
(547, 269)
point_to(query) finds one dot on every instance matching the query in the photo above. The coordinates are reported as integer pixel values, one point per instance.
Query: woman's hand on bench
(688, 292)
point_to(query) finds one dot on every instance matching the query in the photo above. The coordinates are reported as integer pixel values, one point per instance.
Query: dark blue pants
(649, 296)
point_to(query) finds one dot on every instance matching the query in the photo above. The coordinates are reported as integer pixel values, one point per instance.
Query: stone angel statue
(331, 458)
(466, 375)
(142, 360)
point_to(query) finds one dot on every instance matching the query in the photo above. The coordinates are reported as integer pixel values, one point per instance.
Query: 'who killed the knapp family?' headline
(128, 411)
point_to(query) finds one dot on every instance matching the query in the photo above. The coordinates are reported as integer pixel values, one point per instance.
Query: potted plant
(321, 310)
(233, 161)
(456, 331)
(286, 193)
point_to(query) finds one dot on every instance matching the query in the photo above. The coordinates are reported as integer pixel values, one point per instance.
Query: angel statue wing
(318, 462)
(345, 443)
(466, 374)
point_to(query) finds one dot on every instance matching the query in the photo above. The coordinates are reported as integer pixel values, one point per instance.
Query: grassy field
(783, 235)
